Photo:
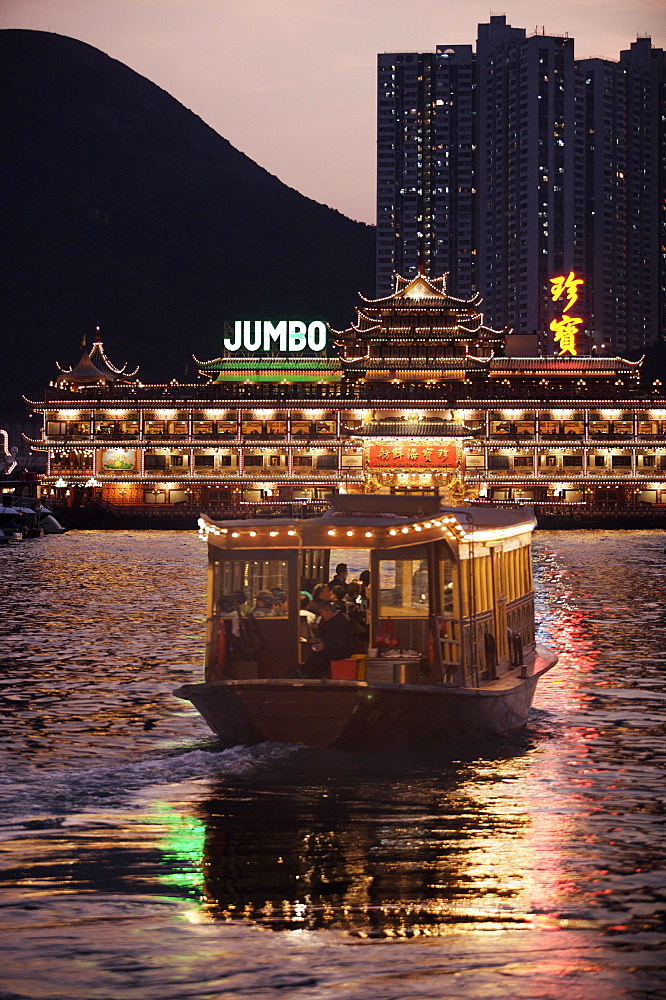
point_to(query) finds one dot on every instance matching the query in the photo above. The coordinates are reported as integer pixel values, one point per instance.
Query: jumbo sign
(287, 336)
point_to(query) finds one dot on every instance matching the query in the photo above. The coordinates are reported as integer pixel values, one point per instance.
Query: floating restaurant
(418, 394)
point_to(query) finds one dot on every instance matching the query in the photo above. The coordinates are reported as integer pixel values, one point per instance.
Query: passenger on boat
(306, 619)
(339, 595)
(364, 580)
(322, 592)
(356, 614)
(340, 578)
(280, 606)
(264, 606)
(336, 641)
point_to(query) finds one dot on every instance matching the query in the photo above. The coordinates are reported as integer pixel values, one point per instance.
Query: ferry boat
(456, 585)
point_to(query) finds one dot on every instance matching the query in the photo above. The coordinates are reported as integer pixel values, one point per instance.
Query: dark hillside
(123, 209)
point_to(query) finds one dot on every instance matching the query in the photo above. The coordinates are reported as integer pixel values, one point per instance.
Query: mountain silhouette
(124, 210)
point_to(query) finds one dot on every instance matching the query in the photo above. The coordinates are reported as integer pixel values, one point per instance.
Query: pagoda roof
(95, 366)
(422, 291)
(571, 365)
(272, 369)
(413, 428)
(85, 371)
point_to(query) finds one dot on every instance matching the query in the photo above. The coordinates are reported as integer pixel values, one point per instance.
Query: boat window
(356, 560)
(446, 585)
(256, 587)
(404, 588)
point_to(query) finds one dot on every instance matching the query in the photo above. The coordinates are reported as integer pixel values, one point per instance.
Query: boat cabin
(455, 582)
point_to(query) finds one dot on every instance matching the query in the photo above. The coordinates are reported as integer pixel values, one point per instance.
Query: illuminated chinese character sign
(412, 456)
(565, 288)
(275, 339)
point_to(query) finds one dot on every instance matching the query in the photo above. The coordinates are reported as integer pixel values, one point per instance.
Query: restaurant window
(56, 428)
(253, 460)
(572, 460)
(226, 460)
(300, 428)
(178, 427)
(303, 460)
(252, 427)
(105, 428)
(226, 428)
(598, 427)
(153, 427)
(155, 461)
(648, 427)
(276, 427)
(620, 461)
(649, 460)
(177, 460)
(404, 590)
(623, 427)
(523, 461)
(79, 428)
(325, 427)
(202, 428)
(599, 461)
(129, 427)
(204, 461)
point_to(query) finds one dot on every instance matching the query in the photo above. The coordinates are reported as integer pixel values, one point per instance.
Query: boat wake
(54, 794)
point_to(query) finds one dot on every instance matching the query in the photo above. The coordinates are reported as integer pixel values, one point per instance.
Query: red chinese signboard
(412, 456)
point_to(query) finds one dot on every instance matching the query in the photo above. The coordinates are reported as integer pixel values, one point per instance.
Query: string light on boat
(273, 534)
(291, 532)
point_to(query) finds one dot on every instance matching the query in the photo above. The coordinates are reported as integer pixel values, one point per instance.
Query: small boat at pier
(456, 585)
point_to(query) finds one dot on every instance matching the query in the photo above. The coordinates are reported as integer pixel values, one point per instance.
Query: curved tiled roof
(416, 428)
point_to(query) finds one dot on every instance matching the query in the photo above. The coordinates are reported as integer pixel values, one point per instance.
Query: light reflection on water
(530, 869)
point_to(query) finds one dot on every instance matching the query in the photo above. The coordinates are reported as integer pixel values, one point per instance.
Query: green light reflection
(182, 844)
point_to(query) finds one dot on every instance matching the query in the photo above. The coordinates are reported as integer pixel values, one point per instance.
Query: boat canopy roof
(366, 529)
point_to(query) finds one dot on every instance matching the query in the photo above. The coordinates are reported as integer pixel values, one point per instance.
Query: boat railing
(520, 620)
(446, 639)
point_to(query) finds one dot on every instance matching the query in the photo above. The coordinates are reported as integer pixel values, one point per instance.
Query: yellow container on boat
(360, 665)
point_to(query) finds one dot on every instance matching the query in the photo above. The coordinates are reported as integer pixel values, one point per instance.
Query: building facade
(514, 162)
(418, 393)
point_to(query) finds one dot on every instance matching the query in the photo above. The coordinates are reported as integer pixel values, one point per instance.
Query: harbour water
(140, 860)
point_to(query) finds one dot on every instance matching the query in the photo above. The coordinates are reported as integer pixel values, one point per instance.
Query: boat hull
(356, 714)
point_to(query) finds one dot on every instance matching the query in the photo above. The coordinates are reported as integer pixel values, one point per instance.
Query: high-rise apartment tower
(516, 163)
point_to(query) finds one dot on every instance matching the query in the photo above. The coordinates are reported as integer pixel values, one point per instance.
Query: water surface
(140, 860)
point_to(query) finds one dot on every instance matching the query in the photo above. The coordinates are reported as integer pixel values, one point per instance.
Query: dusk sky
(291, 83)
